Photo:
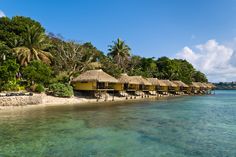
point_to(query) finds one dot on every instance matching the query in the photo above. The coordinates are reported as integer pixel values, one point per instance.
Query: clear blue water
(200, 126)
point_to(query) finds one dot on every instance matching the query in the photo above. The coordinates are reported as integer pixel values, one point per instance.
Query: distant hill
(226, 85)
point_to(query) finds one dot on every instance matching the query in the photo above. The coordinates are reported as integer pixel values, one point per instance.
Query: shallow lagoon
(200, 126)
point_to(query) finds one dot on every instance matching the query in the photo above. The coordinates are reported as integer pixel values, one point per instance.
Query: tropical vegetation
(32, 59)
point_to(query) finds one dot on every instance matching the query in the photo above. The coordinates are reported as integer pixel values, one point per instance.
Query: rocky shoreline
(21, 100)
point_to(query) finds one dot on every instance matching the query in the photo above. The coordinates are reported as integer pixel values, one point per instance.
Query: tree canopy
(28, 52)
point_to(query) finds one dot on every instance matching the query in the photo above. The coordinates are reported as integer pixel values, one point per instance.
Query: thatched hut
(209, 89)
(195, 88)
(154, 85)
(144, 85)
(202, 86)
(182, 86)
(92, 80)
(159, 85)
(208, 86)
(212, 86)
(172, 87)
(129, 83)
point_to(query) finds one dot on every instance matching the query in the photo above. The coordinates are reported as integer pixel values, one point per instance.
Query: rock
(20, 100)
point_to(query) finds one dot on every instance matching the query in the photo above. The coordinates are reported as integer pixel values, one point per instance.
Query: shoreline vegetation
(225, 85)
(45, 65)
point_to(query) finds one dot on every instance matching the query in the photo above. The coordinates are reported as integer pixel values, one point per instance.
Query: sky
(200, 31)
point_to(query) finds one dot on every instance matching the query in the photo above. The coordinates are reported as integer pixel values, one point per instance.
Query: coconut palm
(32, 47)
(120, 52)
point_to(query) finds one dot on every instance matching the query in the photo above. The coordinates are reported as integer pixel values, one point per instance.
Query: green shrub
(10, 86)
(39, 88)
(37, 72)
(60, 90)
(62, 77)
(8, 71)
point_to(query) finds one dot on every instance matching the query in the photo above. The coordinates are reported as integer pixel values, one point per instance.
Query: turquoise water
(200, 126)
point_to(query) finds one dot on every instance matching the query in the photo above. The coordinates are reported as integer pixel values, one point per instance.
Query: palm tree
(120, 52)
(33, 47)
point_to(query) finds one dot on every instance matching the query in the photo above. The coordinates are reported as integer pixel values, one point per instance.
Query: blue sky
(152, 28)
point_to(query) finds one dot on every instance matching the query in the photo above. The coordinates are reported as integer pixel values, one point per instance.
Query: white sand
(79, 101)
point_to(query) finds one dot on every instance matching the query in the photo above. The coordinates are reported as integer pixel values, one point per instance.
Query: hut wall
(184, 89)
(118, 86)
(195, 89)
(177, 89)
(164, 88)
(151, 88)
(187, 89)
(85, 86)
(134, 86)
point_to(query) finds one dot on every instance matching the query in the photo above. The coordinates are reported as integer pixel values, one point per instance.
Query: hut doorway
(126, 86)
(141, 87)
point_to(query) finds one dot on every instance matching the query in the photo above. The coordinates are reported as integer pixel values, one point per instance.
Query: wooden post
(113, 95)
(98, 96)
(105, 98)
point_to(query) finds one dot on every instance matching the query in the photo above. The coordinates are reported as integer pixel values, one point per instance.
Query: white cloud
(2, 14)
(216, 60)
(231, 44)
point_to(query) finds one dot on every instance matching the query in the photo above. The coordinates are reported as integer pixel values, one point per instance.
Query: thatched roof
(156, 82)
(202, 85)
(162, 83)
(124, 78)
(95, 75)
(180, 84)
(153, 81)
(207, 85)
(169, 83)
(141, 80)
(212, 85)
(195, 85)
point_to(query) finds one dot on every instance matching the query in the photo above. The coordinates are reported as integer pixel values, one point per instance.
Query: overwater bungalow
(172, 87)
(182, 86)
(96, 81)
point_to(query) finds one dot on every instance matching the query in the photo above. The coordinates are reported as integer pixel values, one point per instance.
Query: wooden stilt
(113, 95)
(98, 97)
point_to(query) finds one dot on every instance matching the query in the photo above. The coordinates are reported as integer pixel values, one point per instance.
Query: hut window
(141, 87)
(101, 85)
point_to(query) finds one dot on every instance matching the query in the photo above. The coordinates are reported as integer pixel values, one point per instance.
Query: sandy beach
(78, 101)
